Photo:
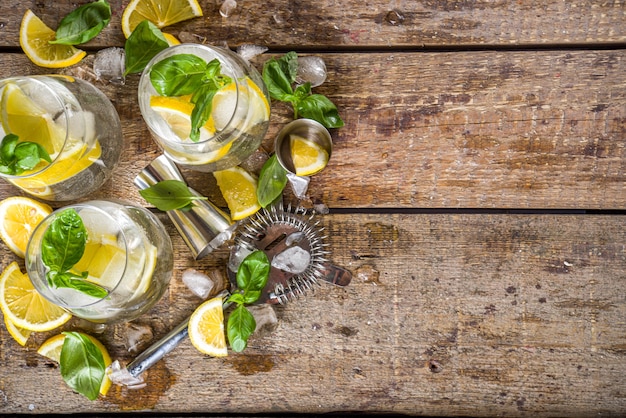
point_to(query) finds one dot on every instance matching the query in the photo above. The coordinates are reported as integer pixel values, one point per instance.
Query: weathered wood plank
(439, 130)
(375, 24)
(484, 315)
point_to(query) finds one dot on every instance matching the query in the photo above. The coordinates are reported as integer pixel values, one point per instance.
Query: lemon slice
(19, 334)
(103, 259)
(239, 190)
(34, 40)
(29, 121)
(160, 12)
(308, 156)
(226, 100)
(24, 306)
(51, 348)
(206, 328)
(176, 111)
(18, 218)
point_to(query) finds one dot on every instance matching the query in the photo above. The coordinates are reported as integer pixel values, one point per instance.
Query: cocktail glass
(73, 121)
(128, 253)
(238, 120)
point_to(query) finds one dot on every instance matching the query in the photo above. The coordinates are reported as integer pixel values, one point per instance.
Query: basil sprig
(142, 45)
(169, 195)
(280, 74)
(82, 364)
(83, 23)
(15, 158)
(63, 245)
(252, 276)
(183, 74)
(272, 181)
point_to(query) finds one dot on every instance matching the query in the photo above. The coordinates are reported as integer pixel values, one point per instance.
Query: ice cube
(137, 337)
(121, 376)
(321, 208)
(237, 255)
(311, 69)
(299, 185)
(293, 260)
(199, 283)
(294, 238)
(265, 318)
(249, 51)
(109, 65)
(228, 8)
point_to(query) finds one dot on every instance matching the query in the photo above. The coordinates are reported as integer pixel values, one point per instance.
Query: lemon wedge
(160, 12)
(34, 40)
(308, 156)
(239, 190)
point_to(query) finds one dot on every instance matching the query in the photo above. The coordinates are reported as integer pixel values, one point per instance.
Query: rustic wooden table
(476, 193)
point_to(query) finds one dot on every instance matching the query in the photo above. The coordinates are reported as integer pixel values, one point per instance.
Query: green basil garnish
(82, 364)
(83, 24)
(272, 181)
(169, 195)
(142, 45)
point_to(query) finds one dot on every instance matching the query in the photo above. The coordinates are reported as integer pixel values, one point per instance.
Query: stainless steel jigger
(204, 227)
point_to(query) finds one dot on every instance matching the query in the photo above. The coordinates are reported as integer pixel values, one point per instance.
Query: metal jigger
(204, 227)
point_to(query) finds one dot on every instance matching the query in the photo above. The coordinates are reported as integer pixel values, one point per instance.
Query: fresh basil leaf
(272, 181)
(289, 65)
(251, 296)
(321, 109)
(7, 148)
(142, 45)
(15, 158)
(277, 81)
(253, 272)
(83, 24)
(63, 243)
(203, 104)
(178, 75)
(236, 298)
(241, 324)
(169, 195)
(78, 283)
(82, 364)
(29, 154)
(213, 69)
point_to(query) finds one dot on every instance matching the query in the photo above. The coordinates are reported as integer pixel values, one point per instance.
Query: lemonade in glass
(103, 261)
(74, 124)
(205, 106)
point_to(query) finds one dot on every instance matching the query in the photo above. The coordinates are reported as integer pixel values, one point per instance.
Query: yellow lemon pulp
(51, 348)
(24, 306)
(239, 190)
(34, 40)
(18, 218)
(308, 157)
(206, 328)
(160, 12)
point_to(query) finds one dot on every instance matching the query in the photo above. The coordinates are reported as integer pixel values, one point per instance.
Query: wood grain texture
(532, 129)
(374, 24)
(486, 315)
